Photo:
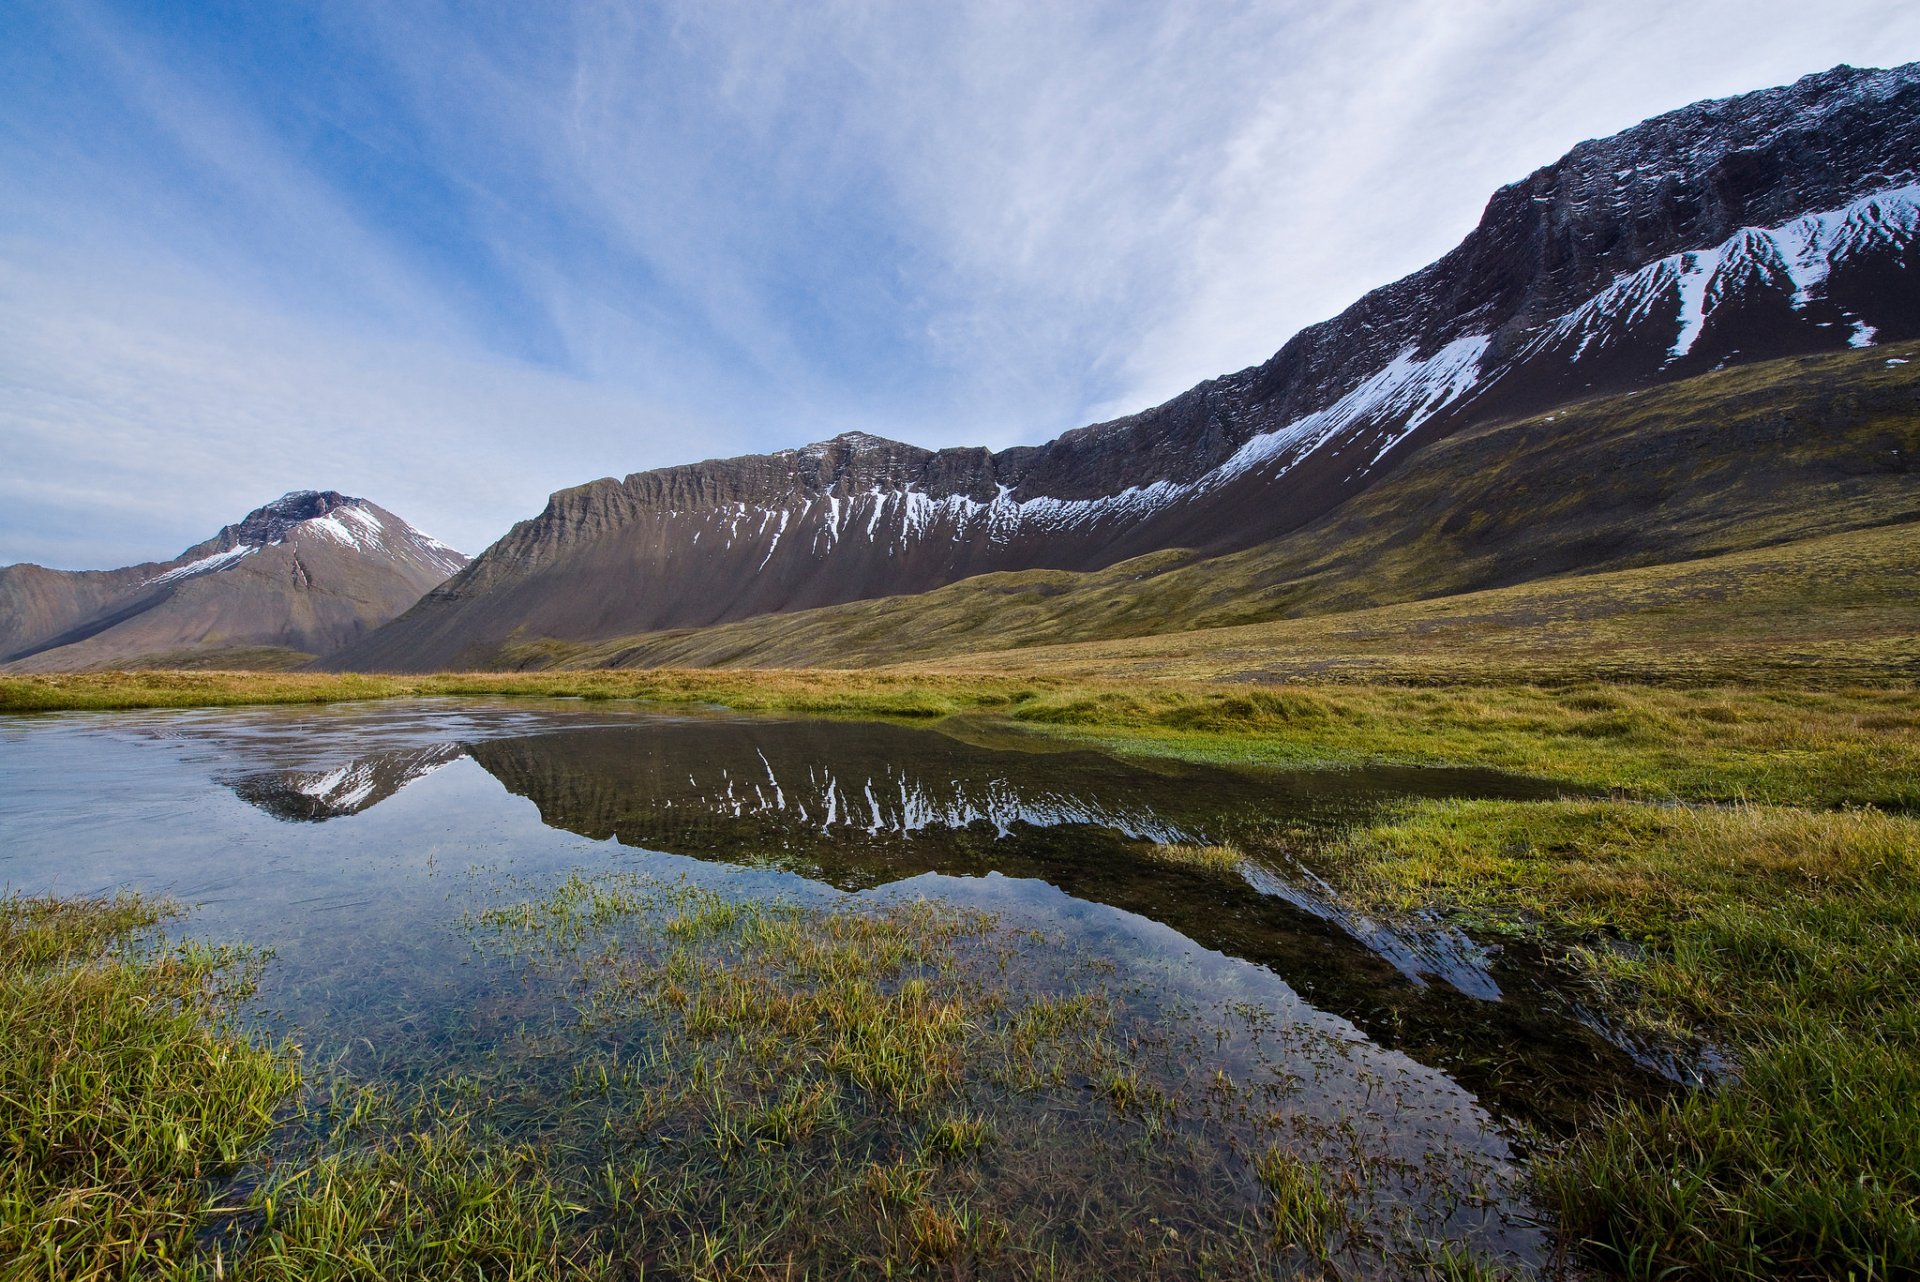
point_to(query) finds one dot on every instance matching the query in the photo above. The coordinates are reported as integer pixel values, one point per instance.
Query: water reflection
(856, 806)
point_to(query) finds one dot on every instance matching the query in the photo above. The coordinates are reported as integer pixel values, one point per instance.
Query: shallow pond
(1034, 1007)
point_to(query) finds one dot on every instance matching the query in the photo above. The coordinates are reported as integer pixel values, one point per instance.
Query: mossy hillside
(1830, 610)
(1732, 461)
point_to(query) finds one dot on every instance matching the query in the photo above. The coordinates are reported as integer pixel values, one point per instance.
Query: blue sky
(453, 257)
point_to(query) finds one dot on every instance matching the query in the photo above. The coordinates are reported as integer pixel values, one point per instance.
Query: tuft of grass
(957, 1137)
(1304, 1212)
(417, 1206)
(1222, 858)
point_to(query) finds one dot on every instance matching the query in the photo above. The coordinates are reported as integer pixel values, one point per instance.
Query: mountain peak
(306, 573)
(857, 442)
(353, 523)
(271, 522)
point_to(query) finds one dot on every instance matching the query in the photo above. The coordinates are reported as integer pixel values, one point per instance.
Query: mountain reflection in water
(855, 806)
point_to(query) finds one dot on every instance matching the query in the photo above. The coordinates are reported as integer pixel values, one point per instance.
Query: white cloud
(151, 412)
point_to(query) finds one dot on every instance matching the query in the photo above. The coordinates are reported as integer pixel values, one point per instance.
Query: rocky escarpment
(1776, 223)
(304, 574)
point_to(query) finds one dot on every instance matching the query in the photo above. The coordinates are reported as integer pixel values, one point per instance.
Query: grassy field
(1788, 936)
(1832, 610)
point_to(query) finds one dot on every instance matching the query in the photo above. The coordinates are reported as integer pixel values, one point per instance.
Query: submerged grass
(717, 1089)
(1789, 938)
(906, 1087)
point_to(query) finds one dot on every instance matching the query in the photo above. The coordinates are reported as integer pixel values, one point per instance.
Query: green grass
(126, 1093)
(422, 1200)
(1829, 610)
(131, 1101)
(1789, 938)
(1226, 858)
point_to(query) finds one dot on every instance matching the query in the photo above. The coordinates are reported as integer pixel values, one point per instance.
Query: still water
(361, 844)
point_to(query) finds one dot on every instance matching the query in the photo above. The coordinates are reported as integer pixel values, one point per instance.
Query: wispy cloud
(454, 256)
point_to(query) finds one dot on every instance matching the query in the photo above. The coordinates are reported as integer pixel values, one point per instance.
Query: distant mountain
(301, 576)
(1779, 223)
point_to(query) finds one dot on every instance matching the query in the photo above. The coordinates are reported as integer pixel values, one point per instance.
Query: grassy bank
(1788, 937)
(135, 1114)
(1784, 744)
(125, 1092)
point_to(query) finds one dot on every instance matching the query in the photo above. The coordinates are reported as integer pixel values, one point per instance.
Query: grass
(1789, 938)
(1225, 858)
(135, 1111)
(1783, 743)
(1828, 610)
(126, 1093)
(422, 1200)
(1304, 1213)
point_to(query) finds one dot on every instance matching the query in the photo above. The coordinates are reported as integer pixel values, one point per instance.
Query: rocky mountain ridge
(1774, 223)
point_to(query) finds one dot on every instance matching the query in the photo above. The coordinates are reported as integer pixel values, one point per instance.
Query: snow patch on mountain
(1401, 397)
(1797, 256)
(205, 565)
(361, 529)
(1396, 400)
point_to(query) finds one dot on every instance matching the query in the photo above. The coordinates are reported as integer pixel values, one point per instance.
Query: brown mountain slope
(1739, 459)
(303, 575)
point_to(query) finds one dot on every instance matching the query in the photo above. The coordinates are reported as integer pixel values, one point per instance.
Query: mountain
(1773, 455)
(1771, 225)
(301, 576)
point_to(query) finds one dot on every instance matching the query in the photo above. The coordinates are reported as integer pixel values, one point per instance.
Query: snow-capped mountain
(303, 575)
(1772, 224)
(313, 796)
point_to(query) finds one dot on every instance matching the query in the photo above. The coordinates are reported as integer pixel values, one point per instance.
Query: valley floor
(1750, 881)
